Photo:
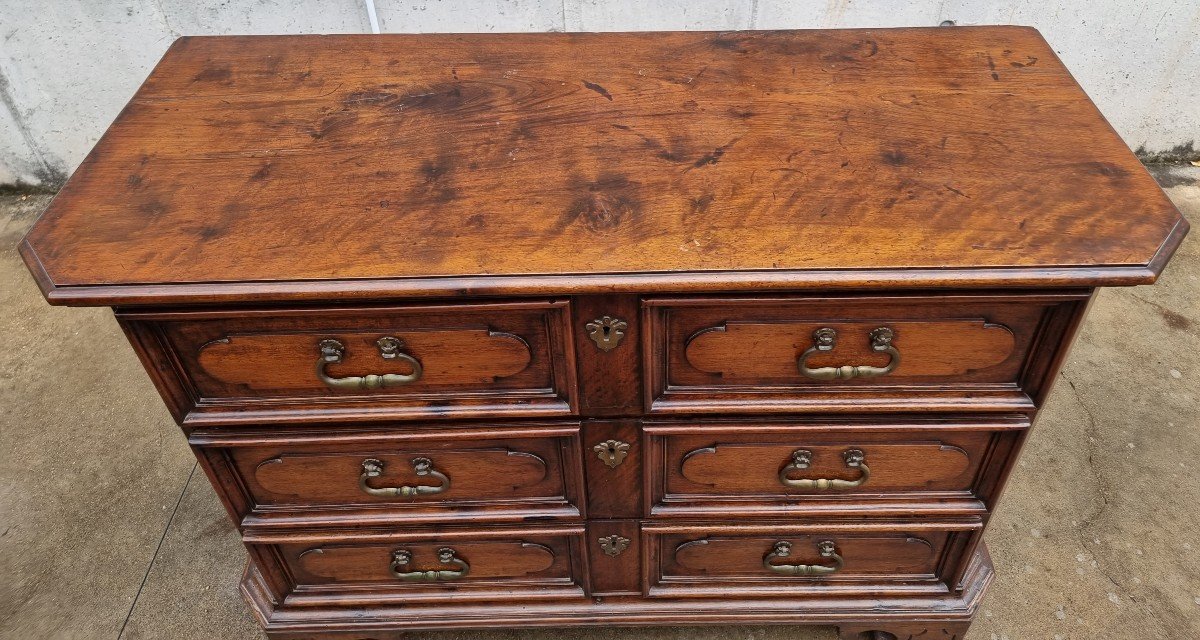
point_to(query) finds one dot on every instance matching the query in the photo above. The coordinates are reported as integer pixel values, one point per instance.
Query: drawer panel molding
(339, 364)
(867, 353)
(383, 476)
(421, 565)
(810, 467)
(778, 559)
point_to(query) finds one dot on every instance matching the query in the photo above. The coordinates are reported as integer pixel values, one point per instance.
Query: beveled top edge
(316, 292)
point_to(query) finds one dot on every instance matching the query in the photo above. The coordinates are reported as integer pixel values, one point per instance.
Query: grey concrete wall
(68, 66)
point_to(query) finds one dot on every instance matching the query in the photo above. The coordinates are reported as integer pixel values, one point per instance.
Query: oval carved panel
(863, 554)
(768, 350)
(753, 468)
(370, 563)
(474, 474)
(265, 361)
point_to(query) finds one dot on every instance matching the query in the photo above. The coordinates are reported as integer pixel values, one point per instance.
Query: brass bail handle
(402, 557)
(332, 351)
(825, 339)
(783, 549)
(802, 458)
(373, 468)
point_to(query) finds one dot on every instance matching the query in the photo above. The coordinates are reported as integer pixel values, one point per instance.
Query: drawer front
(886, 353)
(853, 559)
(300, 478)
(361, 363)
(817, 466)
(404, 568)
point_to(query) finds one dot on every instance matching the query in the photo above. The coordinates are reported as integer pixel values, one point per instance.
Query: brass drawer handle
(372, 468)
(801, 458)
(446, 555)
(783, 549)
(825, 339)
(332, 352)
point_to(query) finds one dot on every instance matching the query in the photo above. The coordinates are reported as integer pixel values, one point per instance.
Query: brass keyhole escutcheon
(606, 332)
(613, 545)
(612, 452)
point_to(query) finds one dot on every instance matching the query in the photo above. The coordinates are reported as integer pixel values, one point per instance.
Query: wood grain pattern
(452, 163)
(504, 565)
(260, 366)
(753, 351)
(484, 197)
(716, 560)
(961, 352)
(280, 361)
(725, 468)
(296, 478)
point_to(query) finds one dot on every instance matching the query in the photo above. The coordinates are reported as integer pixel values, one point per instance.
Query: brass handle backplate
(783, 549)
(446, 555)
(372, 468)
(801, 458)
(332, 351)
(825, 339)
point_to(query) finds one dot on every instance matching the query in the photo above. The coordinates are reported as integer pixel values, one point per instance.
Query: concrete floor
(108, 530)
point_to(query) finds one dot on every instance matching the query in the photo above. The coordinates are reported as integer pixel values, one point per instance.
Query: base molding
(943, 617)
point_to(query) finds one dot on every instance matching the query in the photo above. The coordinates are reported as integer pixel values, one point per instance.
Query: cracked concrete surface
(107, 531)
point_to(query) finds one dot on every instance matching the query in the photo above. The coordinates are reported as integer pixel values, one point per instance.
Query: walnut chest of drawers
(607, 329)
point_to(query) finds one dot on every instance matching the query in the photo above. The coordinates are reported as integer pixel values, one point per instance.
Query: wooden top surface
(294, 167)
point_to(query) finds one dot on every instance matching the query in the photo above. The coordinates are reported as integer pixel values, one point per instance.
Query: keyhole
(607, 330)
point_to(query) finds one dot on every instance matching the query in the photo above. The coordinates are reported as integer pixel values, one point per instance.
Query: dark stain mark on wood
(222, 74)
(741, 114)
(676, 151)
(598, 89)
(133, 181)
(606, 204)
(433, 171)
(153, 208)
(853, 52)
(435, 186)
(956, 191)
(701, 204)
(712, 158)
(727, 42)
(332, 124)
(1029, 62)
(447, 97)
(1105, 169)
(894, 157)
(210, 232)
(992, 66)
(262, 174)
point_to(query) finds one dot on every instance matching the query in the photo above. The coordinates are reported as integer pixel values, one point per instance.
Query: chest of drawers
(607, 329)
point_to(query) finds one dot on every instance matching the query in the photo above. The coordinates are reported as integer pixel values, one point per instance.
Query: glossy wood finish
(297, 477)
(514, 164)
(486, 200)
(718, 560)
(260, 365)
(958, 352)
(504, 565)
(722, 468)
